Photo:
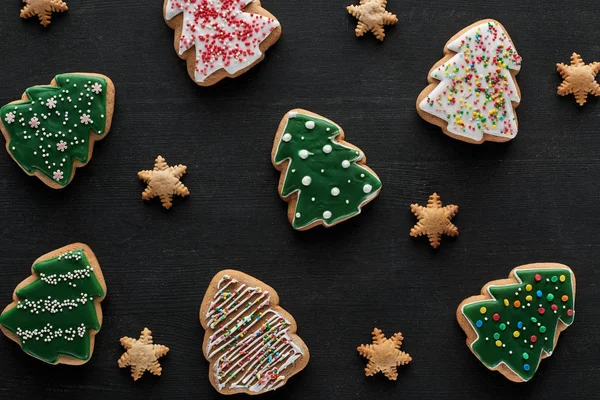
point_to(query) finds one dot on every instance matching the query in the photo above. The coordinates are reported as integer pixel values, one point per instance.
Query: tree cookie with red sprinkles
(220, 38)
(250, 341)
(515, 323)
(472, 92)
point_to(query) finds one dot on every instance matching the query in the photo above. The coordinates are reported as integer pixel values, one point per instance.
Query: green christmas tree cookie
(56, 313)
(323, 178)
(51, 131)
(516, 322)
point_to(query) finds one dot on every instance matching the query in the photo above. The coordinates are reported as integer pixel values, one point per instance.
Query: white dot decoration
(287, 137)
(335, 191)
(327, 214)
(310, 124)
(367, 188)
(306, 180)
(293, 114)
(345, 164)
(298, 215)
(303, 154)
(327, 149)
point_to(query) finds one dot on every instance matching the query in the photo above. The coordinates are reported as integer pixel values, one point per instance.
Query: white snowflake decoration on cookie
(85, 119)
(224, 35)
(34, 122)
(61, 146)
(10, 118)
(58, 175)
(51, 103)
(97, 88)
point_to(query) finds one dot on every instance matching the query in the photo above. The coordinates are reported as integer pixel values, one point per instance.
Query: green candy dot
(525, 356)
(496, 336)
(533, 319)
(554, 279)
(550, 297)
(542, 329)
(502, 327)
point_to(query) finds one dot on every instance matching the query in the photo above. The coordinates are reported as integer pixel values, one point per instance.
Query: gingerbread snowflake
(164, 182)
(434, 220)
(579, 79)
(142, 355)
(384, 354)
(43, 9)
(372, 16)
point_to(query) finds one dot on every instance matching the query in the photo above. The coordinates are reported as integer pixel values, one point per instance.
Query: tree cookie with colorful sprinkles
(516, 322)
(56, 313)
(52, 130)
(220, 38)
(250, 341)
(324, 179)
(472, 92)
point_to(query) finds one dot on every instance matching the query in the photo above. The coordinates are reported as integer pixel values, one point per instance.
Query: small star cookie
(142, 355)
(579, 78)
(434, 220)
(372, 16)
(163, 182)
(384, 355)
(43, 9)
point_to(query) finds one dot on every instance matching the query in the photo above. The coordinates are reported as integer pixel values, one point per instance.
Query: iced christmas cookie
(324, 179)
(250, 341)
(579, 79)
(56, 314)
(515, 323)
(43, 9)
(384, 354)
(220, 38)
(372, 16)
(51, 131)
(472, 92)
(142, 355)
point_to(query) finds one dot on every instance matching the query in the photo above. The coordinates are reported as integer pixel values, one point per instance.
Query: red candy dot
(554, 307)
(569, 312)
(538, 277)
(541, 310)
(533, 339)
(496, 317)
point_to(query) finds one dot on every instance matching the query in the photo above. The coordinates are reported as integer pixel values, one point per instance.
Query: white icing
(306, 180)
(286, 137)
(327, 149)
(310, 124)
(304, 154)
(224, 35)
(345, 164)
(367, 188)
(254, 347)
(327, 214)
(461, 97)
(335, 191)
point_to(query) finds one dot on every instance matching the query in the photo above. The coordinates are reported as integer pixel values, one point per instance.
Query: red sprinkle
(541, 310)
(533, 339)
(538, 277)
(569, 312)
(496, 317)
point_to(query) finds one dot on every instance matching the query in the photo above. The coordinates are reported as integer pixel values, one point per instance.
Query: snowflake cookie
(434, 220)
(220, 38)
(164, 182)
(52, 130)
(579, 79)
(142, 355)
(43, 9)
(515, 323)
(250, 341)
(324, 179)
(56, 313)
(472, 92)
(372, 16)
(384, 354)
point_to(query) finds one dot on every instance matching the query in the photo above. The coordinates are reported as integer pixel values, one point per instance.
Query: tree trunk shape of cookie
(324, 179)
(517, 321)
(225, 36)
(52, 130)
(473, 94)
(250, 341)
(57, 308)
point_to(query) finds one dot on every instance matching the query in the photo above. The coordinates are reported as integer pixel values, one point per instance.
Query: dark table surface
(533, 199)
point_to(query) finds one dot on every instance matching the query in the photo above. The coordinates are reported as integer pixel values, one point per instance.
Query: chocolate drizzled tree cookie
(324, 179)
(250, 341)
(220, 38)
(472, 92)
(52, 130)
(56, 314)
(516, 322)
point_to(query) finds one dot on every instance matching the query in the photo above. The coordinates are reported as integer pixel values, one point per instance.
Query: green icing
(56, 311)
(517, 350)
(337, 186)
(51, 130)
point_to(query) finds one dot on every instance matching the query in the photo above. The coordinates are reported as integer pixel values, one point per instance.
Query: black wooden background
(533, 199)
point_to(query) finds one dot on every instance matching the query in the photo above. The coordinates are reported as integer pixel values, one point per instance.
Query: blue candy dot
(526, 367)
(519, 324)
(479, 323)
(539, 293)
